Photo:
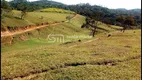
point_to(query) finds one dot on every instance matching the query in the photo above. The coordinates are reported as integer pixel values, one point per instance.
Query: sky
(112, 4)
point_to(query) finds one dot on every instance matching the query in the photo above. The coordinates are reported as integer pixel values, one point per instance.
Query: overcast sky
(113, 4)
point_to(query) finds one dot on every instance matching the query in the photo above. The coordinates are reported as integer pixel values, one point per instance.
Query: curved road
(5, 34)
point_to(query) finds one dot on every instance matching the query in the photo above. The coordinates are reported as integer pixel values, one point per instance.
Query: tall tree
(5, 5)
(98, 16)
(22, 6)
(126, 22)
(5, 8)
(93, 22)
(120, 19)
(68, 18)
(129, 20)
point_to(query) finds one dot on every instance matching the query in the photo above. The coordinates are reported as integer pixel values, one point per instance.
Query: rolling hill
(31, 55)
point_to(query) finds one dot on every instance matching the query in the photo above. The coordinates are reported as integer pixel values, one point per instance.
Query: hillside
(38, 37)
(12, 19)
(86, 9)
(52, 44)
(119, 59)
(56, 10)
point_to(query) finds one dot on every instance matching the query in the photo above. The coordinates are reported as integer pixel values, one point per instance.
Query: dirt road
(4, 34)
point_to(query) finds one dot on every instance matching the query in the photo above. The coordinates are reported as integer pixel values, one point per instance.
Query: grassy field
(56, 10)
(32, 57)
(114, 58)
(39, 37)
(32, 18)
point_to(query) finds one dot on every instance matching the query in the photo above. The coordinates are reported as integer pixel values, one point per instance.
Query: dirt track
(4, 34)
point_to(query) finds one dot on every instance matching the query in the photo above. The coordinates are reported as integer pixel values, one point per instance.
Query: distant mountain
(137, 10)
(123, 9)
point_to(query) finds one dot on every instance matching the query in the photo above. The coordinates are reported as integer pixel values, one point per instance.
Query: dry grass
(49, 62)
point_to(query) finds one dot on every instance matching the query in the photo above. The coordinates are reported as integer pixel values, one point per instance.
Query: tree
(98, 16)
(5, 8)
(120, 19)
(126, 21)
(93, 22)
(68, 18)
(90, 23)
(23, 13)
(107, 21)
(129, 20)
(23, 9)
(22, 6)
(5, 5)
